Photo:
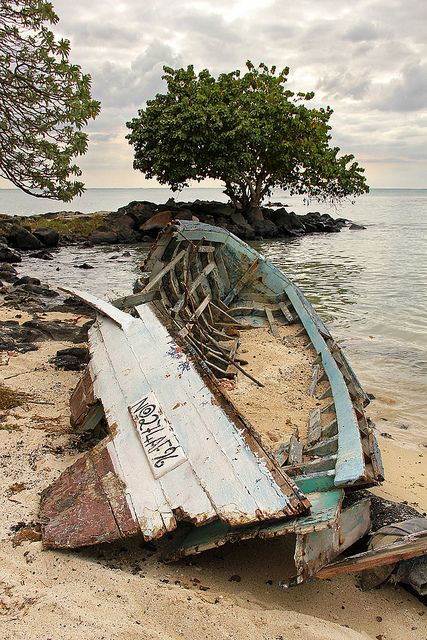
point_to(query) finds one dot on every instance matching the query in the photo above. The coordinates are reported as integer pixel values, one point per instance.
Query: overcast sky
(365, 58)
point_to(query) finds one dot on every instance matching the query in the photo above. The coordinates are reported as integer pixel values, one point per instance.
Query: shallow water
(370, 286)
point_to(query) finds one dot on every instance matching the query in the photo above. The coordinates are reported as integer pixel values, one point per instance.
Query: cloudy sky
(365, 58)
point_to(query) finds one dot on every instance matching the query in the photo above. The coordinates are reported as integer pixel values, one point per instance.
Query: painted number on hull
(160, 443)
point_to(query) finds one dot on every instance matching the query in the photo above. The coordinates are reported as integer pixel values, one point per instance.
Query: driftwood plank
(411, 546)
(314, 426)
(295, 450)
(244, 280)
(285, 310)
(272, 323)
(314, 379)
(165, 270)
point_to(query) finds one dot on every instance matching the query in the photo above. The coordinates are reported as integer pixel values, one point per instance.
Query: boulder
(265, 229)
(27, 280)
(85, 265)
(49, 237)
(157, 222)
(356, 227)
(71, 359)
(38, 290)
(21, 238)
(7, 272)
(184, 214)
(127, 235)
(215, 209)
(287, 222)
(120, 221)
(103, 237)
(42, 255)
(140, 212)
(9, 255)
(55, 330)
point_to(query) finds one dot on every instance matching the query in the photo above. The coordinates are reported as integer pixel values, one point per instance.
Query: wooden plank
(163, 271)
(411, 546)
(206, 249)
(202, 306)
(178, 306)
(126, 302)
(272, 323)
(246, 278)
(354, 523)
(295, 450)
(286, 312)
(144, 495)
(319, 481)
(321, 464)
(323, 447)
(314, 426)
(107, 309)
(330, 429)
(314, 379)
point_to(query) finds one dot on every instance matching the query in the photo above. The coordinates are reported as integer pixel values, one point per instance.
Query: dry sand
(123, 592)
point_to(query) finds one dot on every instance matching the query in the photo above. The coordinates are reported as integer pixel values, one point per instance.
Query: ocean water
(370, 286)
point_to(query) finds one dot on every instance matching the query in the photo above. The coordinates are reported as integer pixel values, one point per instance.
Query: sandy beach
(123, 590)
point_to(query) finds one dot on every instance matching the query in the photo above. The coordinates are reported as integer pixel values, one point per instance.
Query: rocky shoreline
(141, 221)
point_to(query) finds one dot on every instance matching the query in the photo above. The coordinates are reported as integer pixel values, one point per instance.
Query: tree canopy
(247, 130)
(45, 101)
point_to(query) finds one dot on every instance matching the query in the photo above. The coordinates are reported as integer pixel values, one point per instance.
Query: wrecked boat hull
(161, 355)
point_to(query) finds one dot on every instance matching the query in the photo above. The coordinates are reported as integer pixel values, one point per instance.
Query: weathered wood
(317, 481)
(126, 302)
(295, 450)
(330, 430)
(324, 512)
(286, 312)
(411, 546)
(152, 283)
(314, 379)
(314, 426)
(320, 464)
(323, 447)
(192, 288)
(272, 323)
(244, 280)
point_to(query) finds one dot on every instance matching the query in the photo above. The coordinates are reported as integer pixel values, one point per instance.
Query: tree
(44, 103)
(248, 131)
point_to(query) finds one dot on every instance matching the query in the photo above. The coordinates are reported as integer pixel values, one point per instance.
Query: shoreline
(123, 590)
(141, 221)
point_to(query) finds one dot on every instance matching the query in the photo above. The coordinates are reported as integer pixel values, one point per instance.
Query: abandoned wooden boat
(185, 443)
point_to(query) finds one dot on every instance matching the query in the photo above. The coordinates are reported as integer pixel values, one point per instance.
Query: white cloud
(367, 59)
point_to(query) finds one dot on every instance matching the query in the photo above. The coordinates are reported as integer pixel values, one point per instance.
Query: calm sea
(370, 286)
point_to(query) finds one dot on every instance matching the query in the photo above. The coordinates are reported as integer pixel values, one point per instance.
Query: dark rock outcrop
(20, 238)
(49, 237)
(42, 255)
(71, 359)
(103, 237)
(9, 255)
